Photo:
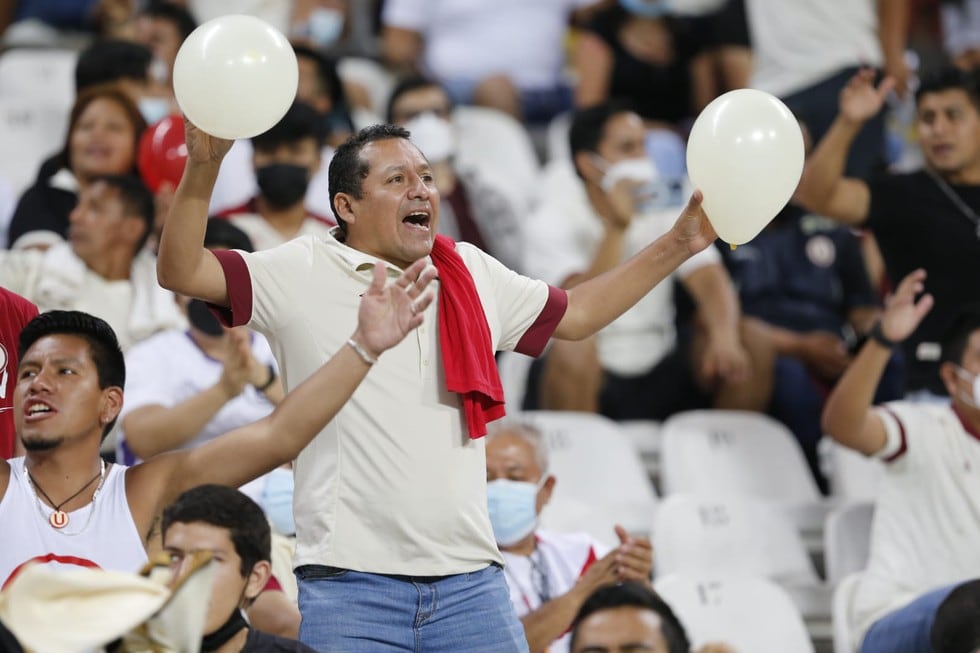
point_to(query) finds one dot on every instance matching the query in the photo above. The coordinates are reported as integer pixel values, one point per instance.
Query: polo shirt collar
(357, 260)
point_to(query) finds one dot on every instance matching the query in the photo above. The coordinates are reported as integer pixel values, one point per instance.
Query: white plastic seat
(843, 598)
(732, 453)
(499, 148)
(847, 540)
(647, 437)
(30, 132)
(853, 476)
(751, 614)
(601, 478)
(39, 74)
(513, 369)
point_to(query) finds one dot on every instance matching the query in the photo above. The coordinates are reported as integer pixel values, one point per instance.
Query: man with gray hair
(549, 574)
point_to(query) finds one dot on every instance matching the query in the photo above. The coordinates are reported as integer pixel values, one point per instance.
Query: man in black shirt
(232, 527)
(927, 218)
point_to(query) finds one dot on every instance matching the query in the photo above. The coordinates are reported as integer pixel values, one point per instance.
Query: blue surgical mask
(513, 509)
(324, 26)
(646, 8)
(277, 500)
(153, 109)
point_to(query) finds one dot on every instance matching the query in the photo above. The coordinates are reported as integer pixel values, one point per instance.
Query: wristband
(879, 336)
(366, 357)
(272, 378)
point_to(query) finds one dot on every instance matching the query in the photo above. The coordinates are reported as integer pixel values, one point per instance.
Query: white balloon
(235, 76)
(745, 153)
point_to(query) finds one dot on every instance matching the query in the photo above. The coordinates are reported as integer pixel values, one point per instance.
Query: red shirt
(15, 312)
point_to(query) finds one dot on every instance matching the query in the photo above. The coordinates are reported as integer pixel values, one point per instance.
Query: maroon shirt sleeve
(536, 337)
(239, 284)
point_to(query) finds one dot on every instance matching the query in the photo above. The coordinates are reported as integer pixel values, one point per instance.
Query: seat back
(721, 452)
(843, 598)
(853, 476)
(751, 614)
(601, 478)
(30, 132)
(721, 536)
(40, 74)
(847, 540)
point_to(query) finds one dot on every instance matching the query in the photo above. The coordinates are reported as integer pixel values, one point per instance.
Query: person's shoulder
(168, 342)
(14, 304)
(903, 182)
(259, 642)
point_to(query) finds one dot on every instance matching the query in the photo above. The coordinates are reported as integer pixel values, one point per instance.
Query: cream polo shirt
(926, 527)
(393, 484)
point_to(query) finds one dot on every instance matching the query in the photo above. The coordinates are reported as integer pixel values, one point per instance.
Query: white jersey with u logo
(106, 538)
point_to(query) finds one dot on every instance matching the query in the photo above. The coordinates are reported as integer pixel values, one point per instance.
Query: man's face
(99, 225)
(959, 384)
(310, 87)
(229, 588)
(161, 36)
(421, 100)
(621, 630)
(512, 457)
(57, 398)
(949, 131)
(398, 212)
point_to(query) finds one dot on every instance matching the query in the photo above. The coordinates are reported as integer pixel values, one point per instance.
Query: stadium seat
(752, 614)
(853, 476)
(847, 540)
(647, 437)
(39, 74)
(731, 453)
(843, 597)
(30, 132)
(601, 478)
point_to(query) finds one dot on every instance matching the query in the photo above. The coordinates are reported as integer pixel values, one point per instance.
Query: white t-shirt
(169, 368)
(101, 534)
(393, 484)
(562, 237)
(926, 527)
(475, 39)
(562, 559)
(797, 43)
(264, 236)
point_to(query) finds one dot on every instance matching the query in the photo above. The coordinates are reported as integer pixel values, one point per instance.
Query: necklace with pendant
(954, 197)
(59, 518)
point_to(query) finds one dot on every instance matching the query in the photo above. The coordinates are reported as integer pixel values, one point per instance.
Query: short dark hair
(348, 170)
(407, 85)
(339, 118)
(956, 628)
(102, 343)
(137, 200)
(634, 595)
(221, 233)
(179, 16)
(589, 124)
(112, 60)
(948, 79)
(957, 333)
(301, 121)
(225, 507)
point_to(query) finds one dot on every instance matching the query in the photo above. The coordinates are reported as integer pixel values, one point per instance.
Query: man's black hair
(224, 507)
(112, 60)
(951, 78)
(589, 125)
(348, 170)
(407, 85)
(137, 200)
(956, 628)
(102, 343)
(300, 122)
(179, 16)
(966, 321)
(221, 233)
(634, 595)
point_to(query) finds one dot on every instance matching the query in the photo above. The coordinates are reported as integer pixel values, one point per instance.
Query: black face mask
(283, 184)
(202, 319)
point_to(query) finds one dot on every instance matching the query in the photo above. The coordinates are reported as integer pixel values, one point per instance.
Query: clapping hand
(390, 311)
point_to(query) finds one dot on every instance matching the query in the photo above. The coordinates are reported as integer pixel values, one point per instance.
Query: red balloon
(163, 152)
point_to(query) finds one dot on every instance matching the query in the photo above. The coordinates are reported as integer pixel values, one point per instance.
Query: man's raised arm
(183, 263)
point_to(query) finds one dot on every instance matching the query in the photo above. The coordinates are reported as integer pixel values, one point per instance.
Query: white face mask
(153, 109)
(433, 136)
(967, 375)
(651, 192)
(324, 26)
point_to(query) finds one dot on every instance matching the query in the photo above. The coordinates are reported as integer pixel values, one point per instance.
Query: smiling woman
(102, 138)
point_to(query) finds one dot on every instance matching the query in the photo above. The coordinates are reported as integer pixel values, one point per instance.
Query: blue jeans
(907, 629)
(354, 612)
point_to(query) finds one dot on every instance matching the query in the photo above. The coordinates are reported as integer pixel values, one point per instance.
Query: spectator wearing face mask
(285, 158)
(474, 209)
